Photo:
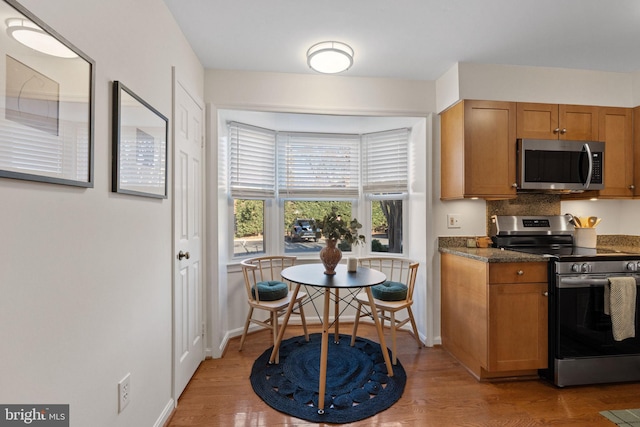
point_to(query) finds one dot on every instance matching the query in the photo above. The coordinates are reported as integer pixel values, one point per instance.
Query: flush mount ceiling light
(32, 36)
(330, 57)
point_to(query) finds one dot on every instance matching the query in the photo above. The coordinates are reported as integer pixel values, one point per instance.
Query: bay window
(281, 182)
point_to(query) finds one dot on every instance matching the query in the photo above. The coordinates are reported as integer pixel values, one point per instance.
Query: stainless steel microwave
(560, 165)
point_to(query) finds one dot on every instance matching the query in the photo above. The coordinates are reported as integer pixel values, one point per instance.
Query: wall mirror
(46, 102)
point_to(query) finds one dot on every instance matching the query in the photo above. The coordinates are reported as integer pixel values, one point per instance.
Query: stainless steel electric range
(582, 349)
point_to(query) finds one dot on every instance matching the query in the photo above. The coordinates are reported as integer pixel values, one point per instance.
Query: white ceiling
(413, 39)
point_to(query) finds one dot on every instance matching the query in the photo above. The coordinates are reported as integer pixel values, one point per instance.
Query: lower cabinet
(494, 315)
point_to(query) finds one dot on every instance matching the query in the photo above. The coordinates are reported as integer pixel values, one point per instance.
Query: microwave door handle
(588, 180)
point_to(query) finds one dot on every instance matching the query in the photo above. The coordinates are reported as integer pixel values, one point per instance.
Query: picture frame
(140, 149)
(46, 103)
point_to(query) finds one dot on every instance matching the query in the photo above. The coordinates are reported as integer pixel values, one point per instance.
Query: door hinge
(202, 330)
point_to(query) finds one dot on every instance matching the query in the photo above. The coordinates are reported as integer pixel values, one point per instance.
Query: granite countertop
(493, 254)
(456, 246)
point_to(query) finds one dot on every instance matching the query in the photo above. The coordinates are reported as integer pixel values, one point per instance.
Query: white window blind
(252, 161)
(321, 166)
(386, 162)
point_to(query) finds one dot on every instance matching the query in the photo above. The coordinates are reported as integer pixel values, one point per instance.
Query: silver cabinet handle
(556, 130)
(563, 131)
(632, 187)
(183, 255)
(520, 272)
(546, 294)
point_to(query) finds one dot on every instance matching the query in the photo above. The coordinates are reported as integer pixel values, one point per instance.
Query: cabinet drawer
(518, 272)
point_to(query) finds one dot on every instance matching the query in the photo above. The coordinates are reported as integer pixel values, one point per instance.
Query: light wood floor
(439, 392)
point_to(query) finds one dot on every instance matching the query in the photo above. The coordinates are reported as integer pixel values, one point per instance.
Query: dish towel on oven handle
(620, 304)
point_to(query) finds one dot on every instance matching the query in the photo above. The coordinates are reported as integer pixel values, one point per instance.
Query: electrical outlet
(453, 221)
(124, 392)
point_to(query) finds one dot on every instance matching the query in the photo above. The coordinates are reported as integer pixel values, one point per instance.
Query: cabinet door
(537, 121)
(452, 152)
(552, 121)
(636, 151)
(517, 326)
(490, 149)
(616, 130)
(578, 122)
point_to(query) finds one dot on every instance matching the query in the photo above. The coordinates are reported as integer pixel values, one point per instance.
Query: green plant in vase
(333, 228)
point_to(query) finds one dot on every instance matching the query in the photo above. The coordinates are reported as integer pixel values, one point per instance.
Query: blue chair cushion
(390, 291)
(271, 290)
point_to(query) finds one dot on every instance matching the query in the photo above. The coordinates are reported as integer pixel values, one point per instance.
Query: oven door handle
(575, 282)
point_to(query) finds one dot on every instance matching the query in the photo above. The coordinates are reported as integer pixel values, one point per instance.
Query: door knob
(183, 255)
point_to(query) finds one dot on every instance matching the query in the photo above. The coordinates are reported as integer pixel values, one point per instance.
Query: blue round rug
(357, 382)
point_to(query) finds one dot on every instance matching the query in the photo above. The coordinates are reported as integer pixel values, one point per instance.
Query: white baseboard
(166, 414)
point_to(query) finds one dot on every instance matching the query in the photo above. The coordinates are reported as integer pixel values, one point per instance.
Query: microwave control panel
(596, 175)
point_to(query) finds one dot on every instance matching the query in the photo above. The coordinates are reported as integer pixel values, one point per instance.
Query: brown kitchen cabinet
(616, 130)
(494, 315)
(557, 121)
(636, 152)
(518, 313)
(478, 150)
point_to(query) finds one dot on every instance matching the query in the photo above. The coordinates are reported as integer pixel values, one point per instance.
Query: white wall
(549, 85)
(86, 274)
(318, 93)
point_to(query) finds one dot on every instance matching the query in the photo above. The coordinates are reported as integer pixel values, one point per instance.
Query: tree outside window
(248, 221)
(386, 226)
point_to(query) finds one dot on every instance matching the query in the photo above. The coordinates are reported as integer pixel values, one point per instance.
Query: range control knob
(585, 268)
(632, 266)
(575, 268)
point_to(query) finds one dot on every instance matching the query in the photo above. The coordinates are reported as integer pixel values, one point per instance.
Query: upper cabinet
(616, 130)
(553, 121)
(636, 151)
(478, 157)
(478, 150)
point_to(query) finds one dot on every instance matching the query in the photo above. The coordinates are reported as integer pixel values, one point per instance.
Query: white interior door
(188, 319)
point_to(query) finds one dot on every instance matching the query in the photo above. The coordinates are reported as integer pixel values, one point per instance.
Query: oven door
(582, 328)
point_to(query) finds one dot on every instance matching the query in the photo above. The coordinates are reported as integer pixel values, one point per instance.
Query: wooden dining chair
(390, 297)
(266, 290)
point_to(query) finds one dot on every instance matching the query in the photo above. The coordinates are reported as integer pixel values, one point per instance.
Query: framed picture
(46, 103)
(139, 145)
